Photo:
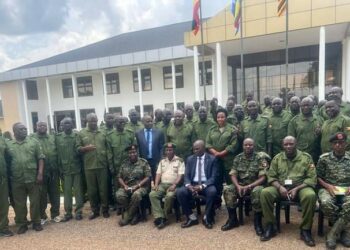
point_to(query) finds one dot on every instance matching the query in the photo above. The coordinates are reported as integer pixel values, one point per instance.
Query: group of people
(289, 149)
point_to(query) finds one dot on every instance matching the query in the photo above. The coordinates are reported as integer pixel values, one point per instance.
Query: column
(104, 90)
(213, 72)
(24, 92)
(343, 69)
(139, 77)
(346, 67)
(52, 126)
(322, 64)
(75, 99)
(173, 77)
(219, 73)
(196, 73)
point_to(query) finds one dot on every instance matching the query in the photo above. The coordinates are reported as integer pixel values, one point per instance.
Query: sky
(31, 30)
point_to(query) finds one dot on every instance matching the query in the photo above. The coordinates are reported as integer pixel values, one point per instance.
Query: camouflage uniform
(132, 174)
(247, 172)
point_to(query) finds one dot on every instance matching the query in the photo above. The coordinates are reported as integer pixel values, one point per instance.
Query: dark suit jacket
(210, 169)
(157, 144)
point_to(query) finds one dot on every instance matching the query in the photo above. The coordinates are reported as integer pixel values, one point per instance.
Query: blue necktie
(148, 139)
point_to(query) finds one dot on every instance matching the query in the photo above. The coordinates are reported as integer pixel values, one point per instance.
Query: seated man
(169, 174)
(334, 178)
(200, 178)
(292, 176)
(248, 174)
(133, 177)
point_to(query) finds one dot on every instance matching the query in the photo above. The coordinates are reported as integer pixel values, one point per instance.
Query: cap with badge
(132, 146)
(340, 136)
(169, 145)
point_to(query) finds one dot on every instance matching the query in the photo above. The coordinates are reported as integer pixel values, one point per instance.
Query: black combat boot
(258, 223)
(232, 221)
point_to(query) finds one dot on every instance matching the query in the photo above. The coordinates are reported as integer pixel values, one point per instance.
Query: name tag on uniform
(288, 182)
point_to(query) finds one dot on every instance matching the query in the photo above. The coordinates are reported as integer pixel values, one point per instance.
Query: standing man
(292, 175)
(158, 118)
(70, 168)
(267, 107)
(202, 126)
(168, 115)
(196, 105)
(230, 114)
(336, 94)
(294, 106)
(169, 175)
(334, 178)
(4, 192)
(200, 178)
(27, 173)
(51, 184)
(189, 114)
(91, 143)
(134, 123)
(248, 176)
(150, 141)
(109, 122)
(279, 121)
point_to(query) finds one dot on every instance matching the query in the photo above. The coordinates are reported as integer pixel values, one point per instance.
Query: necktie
(148, 138)
(199, 171)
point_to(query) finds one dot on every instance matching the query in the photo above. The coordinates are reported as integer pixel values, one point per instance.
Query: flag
(282, 4)
(236, 10)
(195, 21)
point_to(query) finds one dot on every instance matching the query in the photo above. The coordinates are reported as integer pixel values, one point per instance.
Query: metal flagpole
(203, 78)
(242, 57)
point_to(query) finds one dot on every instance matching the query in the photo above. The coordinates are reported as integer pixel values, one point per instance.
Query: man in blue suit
(200, 179)
(150, 141)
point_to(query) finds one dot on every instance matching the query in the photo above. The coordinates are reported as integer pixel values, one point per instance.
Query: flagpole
(287, 55)
(242, 58)
(202, 56)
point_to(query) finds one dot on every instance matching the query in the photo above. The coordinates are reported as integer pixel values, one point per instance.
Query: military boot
(258, 223)
(345, 237)
(232, 221)
(334, 234)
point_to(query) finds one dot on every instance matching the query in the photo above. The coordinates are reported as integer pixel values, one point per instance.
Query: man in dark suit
(200, 179)
(150, 141)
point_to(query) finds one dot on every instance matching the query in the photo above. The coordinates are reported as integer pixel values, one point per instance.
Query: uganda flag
(281, 7)
(195, 21)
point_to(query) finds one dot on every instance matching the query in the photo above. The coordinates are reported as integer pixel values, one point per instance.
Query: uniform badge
(312, 166)
(264, 164)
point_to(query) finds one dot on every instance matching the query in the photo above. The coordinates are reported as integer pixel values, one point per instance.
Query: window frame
(65, 83)
(179, 76)
(111, 82)
(143, 80)
(86, 85)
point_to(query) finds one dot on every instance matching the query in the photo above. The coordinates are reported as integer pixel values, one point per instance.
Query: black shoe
(123, 222)
(162, 223)
(189, 223)
(135, 220)
(269, 233)
(105, 214)
(157, 221)
(67, 218)
(78, 217)
(306, 236)
(258, 224)
(207, 223)
(6, 233)
(37, 227)
(119, 211)
(232, 221)
(93, 216)
(22, 229)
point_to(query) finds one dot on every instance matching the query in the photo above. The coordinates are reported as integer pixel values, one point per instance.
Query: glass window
(60, 115)
(170, 106)
(35, 119)
(83, 114)
(84, 85)
(147, 109)
(32, 90)
(146, 80)
(67, 88)
(208, 73)
(112, 83)
(115, 110)
(167, 76)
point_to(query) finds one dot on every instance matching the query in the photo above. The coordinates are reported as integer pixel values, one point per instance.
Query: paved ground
(106, 234)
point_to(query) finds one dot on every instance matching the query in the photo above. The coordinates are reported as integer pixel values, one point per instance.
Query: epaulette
(143, 160)
(264, 155)
(324, 155)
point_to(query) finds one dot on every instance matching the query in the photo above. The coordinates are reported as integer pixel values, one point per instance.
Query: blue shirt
(148, 137)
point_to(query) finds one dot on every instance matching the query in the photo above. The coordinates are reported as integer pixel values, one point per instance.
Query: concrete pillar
(322, 64)
(173, 78)
(104, 90)
(346, 70)
(75, 99)
(213, 72)
(139, 77)
(219, 73)
(196, 73)
(48, 92)
(26, 116)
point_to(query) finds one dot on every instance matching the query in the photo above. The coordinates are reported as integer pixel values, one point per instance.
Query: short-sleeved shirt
(24, 157)
(170, 170)
(133, 173)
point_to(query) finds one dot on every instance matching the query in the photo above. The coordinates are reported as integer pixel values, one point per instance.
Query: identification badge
(288, 182)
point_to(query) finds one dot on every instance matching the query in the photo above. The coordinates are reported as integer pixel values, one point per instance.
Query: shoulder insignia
(312, 166)
(324, 155)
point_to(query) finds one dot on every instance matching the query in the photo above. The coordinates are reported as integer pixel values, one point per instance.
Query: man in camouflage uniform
(306, 128)
(336, 95)
(189, 114)
(134, 176)
(4, 192)
(257, 128)
(91, 143)
(168, 115)
(336, 123)
(109, 122)
(202, 126)
(266, 109)
(27, 173)
(169, 175)
(230, 114)
(291, 176)
(70, 168)
(248, 175)
(333, 173)
(181, 135)
(249, 97)
(279, 121)
(294, 106)
(134, 124)
(51, 184)
(158, 118)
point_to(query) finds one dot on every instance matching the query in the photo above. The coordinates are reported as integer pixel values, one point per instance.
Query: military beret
(340, 136)
(169, 145)
(132, 146)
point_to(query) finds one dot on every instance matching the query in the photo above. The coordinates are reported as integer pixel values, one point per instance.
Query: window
(32, 90)
(1, 109)
(83, 114)
(208, 76)
(84, 85)
(170, 106)
(167, 76)
(147, 109)
(60, 115)
(35, 119)
(145, 78)
(67, 88)
(115, 110)
(112, 83)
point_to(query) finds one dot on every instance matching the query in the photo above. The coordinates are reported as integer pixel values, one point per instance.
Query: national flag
(282, 4)
(236, 9)
(195, 21)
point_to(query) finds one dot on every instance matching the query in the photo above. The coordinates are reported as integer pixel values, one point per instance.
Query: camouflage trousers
(334, 207)
(130, 201)
(231, 197)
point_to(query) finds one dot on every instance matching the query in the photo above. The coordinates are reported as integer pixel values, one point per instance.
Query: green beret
(169, 145)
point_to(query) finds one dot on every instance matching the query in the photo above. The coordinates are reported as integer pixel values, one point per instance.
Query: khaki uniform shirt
(170, 170)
